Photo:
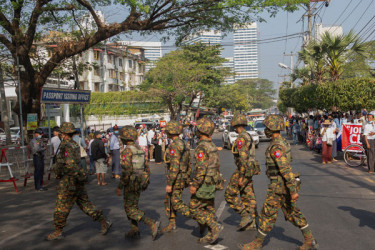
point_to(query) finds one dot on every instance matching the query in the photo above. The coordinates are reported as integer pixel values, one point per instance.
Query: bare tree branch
(6, 24)
(88, 6)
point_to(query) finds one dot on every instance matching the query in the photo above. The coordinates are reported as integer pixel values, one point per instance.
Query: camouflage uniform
(206, 174)
(177, 157)
(71, 188)
(132, 183)
(244, 157)
(283, 185)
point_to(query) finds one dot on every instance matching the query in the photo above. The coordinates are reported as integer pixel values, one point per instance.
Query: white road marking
(216, 247)
(221, 209)
(24, 231)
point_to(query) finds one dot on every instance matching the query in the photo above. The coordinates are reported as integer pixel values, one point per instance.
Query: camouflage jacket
(278, 159)
(175, 151)
(68, 159)
(204, 158)
(127, 166)
(242, 152)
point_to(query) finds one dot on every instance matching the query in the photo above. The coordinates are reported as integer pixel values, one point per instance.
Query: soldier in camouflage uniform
(71, 188)
(207, 179)
(134, 179)
(177, 157)
(241, 182)
(282, 190)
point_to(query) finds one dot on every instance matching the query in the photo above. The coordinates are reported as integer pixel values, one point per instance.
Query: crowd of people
(322, 133)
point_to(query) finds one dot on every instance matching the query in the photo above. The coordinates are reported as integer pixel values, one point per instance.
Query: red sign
(163, 124)
(351, 134)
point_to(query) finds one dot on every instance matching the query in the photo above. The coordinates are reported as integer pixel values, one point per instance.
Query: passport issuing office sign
(67, 96)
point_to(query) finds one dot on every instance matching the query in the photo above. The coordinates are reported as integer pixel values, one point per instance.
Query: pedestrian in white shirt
(150, 137)
(327, 139)
(369, 133)
(142, 139)
(114, 146)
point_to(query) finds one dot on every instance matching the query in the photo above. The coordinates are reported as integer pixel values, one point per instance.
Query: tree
(180, 75)
(24, 22)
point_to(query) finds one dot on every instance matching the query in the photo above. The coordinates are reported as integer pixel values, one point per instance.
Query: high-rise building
(245, 51)
(153, 51)
(230, 65)
(209, 37)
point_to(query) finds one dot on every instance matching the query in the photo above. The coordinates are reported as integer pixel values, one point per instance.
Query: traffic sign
(67, 96)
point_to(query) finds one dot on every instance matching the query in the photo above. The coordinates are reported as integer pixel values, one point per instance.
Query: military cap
(205, 126)
(238, 120)
(67, 128)
(274, 122)
(128, 133)
(174, 128)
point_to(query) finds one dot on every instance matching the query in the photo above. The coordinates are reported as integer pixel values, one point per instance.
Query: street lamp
(281, 65)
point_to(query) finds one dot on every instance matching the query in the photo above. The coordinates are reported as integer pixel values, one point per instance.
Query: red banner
(351, 134)
(163, 124)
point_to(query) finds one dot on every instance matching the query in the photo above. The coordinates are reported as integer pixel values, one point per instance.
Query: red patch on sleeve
(66, 154)
(277, 154)
(200, 156)
(239, 144)
(172, 152)
(123, 158)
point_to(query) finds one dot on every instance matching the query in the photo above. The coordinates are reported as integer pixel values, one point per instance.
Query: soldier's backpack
(140, 177)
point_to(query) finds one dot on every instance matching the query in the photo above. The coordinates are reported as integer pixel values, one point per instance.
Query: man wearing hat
(37, 150)
(369, 134)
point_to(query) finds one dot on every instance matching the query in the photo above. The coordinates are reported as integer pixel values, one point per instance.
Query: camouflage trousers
(271, 206)
(68, 193)
(241, 198)
(203, 211)
(131, 200)
(173, 203)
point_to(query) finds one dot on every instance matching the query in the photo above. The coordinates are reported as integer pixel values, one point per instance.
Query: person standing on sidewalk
(239, 193)
(327, 139)
(71, 188)
(369, 133)
(282, 191)
(37, 149)
(207, 179)
(151, 147)
(99, 156)
(178, 169)
(134, 179)
(114, 146)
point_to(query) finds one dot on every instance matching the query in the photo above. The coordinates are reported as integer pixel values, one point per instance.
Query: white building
(153, 50)
(333, 30)
(245, 51)
(208, 37)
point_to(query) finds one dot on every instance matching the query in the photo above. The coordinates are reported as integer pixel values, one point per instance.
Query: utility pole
(291, 65)
(4, 109)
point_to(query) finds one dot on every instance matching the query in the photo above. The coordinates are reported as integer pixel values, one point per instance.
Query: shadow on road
(365, 217)
(278, 233)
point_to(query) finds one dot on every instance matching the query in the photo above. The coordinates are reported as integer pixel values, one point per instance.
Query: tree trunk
(4, 109)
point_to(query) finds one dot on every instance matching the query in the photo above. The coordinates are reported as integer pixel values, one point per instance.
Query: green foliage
(244, 95)
(346, 94)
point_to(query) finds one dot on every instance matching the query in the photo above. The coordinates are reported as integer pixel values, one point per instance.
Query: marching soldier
(241, 181)
(283, 189)
(71, 188)
(207, 180)
(134, 179)
(177, 157)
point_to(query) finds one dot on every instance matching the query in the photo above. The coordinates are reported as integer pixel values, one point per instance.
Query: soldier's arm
(126, 167)
(279, 156)
(201, 165)
(174, 168)
(243, 155)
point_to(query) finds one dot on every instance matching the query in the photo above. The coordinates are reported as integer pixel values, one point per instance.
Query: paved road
(339, 203)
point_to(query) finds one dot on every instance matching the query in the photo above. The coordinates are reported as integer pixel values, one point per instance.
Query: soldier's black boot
(310, 243)
(56, 235)
(106, 225)
(202, 228)
(207, 238)
(246, 220)
(134, 232)
(154, 225)
(255, 244)
(171, 227)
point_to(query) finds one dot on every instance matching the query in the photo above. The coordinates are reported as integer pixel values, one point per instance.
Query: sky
(351, 14)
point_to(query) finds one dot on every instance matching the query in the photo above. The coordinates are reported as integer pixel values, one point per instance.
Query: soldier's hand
(193, 190)
(240, 182)
(118, 191)
(294, 197)
(168, 189)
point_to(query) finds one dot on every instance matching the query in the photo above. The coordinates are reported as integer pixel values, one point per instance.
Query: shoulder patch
(200, 156)
(66, 153)
(240, 144)
(124, 158)
(172, 152)
(277, 154)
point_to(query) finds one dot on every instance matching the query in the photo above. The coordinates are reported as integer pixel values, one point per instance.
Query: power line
(342, 13)
(363, 14)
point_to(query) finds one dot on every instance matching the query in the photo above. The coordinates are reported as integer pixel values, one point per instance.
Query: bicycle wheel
(354, 155)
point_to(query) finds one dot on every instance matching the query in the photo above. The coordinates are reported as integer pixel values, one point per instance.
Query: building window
(113, 74)
(96, 55)
(110, 59)
(122, 76)
(120, 62)
(130, 63)
(97, 71)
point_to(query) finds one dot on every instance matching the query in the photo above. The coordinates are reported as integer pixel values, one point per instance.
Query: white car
(229, 136)
(14, 134)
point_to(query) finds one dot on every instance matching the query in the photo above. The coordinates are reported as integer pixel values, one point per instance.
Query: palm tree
(338, 49)
(313, 57)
